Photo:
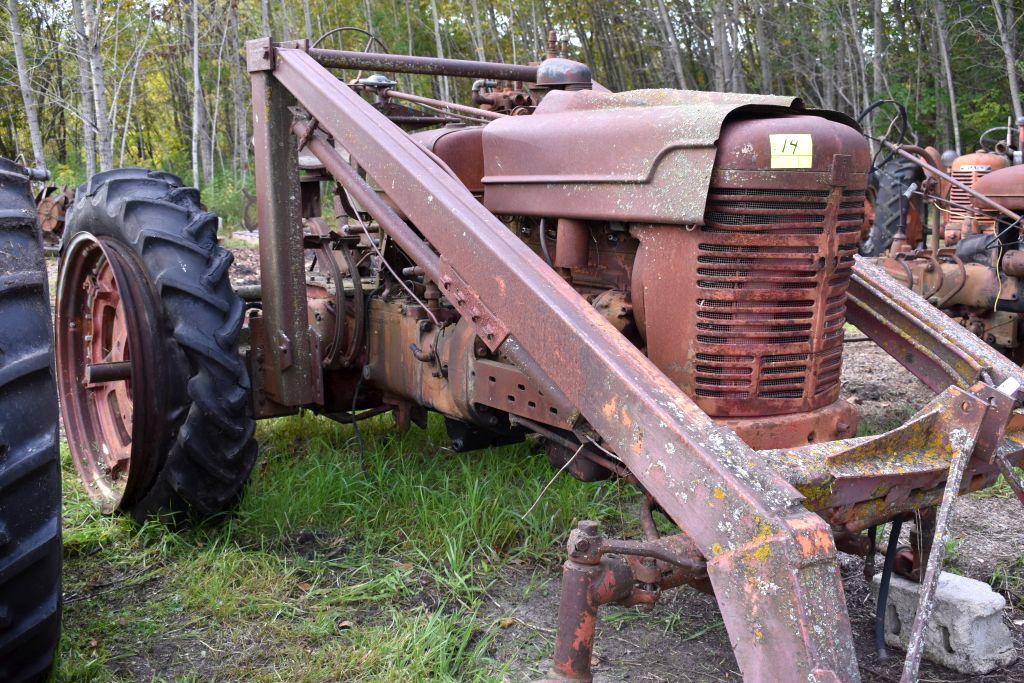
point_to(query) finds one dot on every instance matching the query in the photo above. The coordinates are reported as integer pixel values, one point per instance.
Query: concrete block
(967, 632)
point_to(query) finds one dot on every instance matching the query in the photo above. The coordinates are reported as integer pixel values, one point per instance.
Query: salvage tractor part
(155, 396)
(898, 212)
(970, 266)
(52, 204)
(655, 283)
(30, 540)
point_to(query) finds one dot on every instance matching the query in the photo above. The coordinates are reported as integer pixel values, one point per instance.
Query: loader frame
(760, 523)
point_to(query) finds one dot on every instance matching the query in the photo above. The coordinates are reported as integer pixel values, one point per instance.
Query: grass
(326, 570)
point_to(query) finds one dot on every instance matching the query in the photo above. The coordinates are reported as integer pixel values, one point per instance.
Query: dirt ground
(682, 638)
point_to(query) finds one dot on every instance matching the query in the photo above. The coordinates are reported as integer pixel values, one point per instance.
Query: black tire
(30, 540)
(210, 448)
(891, 203)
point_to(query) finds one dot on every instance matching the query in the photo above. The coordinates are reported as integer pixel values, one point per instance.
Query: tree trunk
(197, 93)
(879, 49)
(439, 47)
(27, 95)
(99, 88)
(1009, 59)
(477, 32)
(493, 26)
(240, 142)
(723, 67)
(940, 25)
(88, 113)
(131, 91)
(737, 79)
(764, 54)
(673, 46)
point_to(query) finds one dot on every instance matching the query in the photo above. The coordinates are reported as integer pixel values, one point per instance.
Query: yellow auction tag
(792, 150)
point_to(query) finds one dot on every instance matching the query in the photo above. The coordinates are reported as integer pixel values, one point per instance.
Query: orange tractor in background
(951, 231)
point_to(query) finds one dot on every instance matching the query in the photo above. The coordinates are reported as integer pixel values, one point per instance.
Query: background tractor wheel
(154, 393)
(30, 543)
(892, 208)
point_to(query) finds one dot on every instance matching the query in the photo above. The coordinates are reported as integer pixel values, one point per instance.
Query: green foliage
(820, 51)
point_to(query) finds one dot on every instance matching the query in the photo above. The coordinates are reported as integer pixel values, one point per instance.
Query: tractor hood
(638, 156)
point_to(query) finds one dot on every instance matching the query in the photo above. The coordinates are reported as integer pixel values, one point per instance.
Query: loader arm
(934, 348)
(771, 562)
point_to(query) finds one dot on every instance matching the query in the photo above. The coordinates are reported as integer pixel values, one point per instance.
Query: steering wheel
(898, 123)
(990, 143)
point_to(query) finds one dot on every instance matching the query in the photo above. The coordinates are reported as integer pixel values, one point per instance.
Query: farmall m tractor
(654, 282)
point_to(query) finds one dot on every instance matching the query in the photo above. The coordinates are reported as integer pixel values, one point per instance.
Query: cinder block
(967, 632)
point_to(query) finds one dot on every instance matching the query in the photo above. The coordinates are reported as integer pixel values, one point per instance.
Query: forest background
(87, 85)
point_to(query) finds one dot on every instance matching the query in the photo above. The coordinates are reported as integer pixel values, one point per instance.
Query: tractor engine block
(741, 304)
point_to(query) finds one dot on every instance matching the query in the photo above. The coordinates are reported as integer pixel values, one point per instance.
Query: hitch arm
(771, 562)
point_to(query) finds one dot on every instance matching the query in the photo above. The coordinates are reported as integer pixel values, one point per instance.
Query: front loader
(654, 282)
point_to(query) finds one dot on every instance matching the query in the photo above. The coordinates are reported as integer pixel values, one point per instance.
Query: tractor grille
(961, 198)
(772, 269)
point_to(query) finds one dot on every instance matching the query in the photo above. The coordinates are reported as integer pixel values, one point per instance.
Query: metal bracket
(259, 55)
(839, 173)
(284, 347)
(468, 303)
(926, 599)
(1000, 401)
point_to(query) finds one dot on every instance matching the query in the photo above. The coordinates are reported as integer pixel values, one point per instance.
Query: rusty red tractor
(655, 282)
(968, 264)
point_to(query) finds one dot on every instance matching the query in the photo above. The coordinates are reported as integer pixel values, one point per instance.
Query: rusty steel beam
(771, 562)
(419, 99)
(934, 348)
(431, 66)
(289, 379)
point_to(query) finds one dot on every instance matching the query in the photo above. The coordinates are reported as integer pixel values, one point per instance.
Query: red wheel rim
(104, 336)
(105, 340)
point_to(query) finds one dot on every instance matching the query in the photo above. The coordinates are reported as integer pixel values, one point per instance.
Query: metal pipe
(98, 373)
(249, 293)
(953, 181)
(433, 66)
(883, 588)
(441, 103)
(387, 217)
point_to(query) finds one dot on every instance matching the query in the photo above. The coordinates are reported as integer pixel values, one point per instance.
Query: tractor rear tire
(30, 480)
(206, 448)
(892, 206)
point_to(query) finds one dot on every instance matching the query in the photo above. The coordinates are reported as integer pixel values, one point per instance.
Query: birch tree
(940, 30)
(197, 93)
(1006, 43)
(99, 87)
(87, 109)
(24, 80)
